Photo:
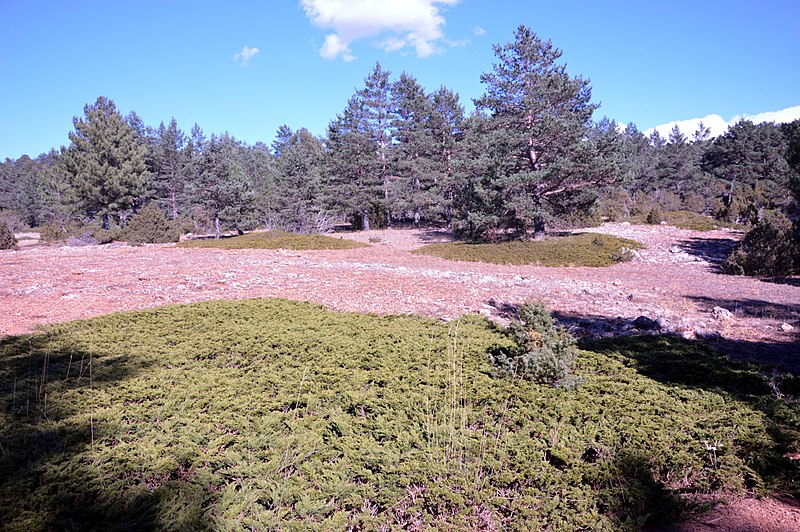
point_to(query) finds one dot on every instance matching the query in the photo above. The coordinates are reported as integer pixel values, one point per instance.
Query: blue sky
(649, 62)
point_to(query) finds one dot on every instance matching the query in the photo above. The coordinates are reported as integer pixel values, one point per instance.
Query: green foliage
(7, 239)
(106, 161)
(151, 226)
(751, 159)
(771, 248)
(584, 249)
(298, 202)
(74, 233)
(542, 352)
(274, 240)
(274, 414)
(655, 216)
(222, 186)
(537, 155)
(696, 222)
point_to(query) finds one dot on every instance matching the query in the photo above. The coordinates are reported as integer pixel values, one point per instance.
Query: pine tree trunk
(216, 227)
(365, 221)
(538, 228)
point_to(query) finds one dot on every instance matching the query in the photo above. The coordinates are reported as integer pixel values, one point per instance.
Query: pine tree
(106, 161)
(750, 160)
(222, 187)
(376, 109)
(414, 169)
(538, 127)
(354, 189)
(298, 182)
(170, 166)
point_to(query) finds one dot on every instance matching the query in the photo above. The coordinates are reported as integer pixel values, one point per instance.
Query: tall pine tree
(538, 125)
(106, 161)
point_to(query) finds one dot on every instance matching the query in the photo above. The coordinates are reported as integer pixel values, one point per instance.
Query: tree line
(529, 157)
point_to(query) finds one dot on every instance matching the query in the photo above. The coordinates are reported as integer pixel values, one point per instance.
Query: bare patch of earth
(674, 282)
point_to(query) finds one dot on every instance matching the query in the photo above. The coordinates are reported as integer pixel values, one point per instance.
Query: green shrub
(655, 217)
(770, 248)
(51, 233)
(274, 240)
(267, 414)
(7, 239)
(584, 249)
(543, 352)
(151, 226)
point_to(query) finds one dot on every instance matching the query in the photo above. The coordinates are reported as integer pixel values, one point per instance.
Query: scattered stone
(722, 314)
(616, 282)
(662, 323)
(785, 327)
(674, 249)
(687, 335)
(644, 323)
(708, 335)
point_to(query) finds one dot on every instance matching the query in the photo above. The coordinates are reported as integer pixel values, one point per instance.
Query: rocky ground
(672, 286)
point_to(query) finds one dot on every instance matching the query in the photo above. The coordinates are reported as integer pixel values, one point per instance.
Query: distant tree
(262, 167)
(56, 200)
(376, 113)
(356, 189)
(446, 126)
(413, 163)
(298, 182)
(106, 161)
(751, 161)
(17, 185)
(537, 132)
(170, 168)
(222, 187)
(282, 139)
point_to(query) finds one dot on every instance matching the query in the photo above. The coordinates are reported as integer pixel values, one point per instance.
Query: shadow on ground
(711, 250)
(43, 431)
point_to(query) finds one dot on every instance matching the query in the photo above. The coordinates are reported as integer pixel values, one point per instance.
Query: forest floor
(674, 281)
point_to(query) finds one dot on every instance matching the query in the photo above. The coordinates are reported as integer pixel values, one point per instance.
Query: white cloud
(719, 125)
(478, 31)
(401, 23)
(245, 55)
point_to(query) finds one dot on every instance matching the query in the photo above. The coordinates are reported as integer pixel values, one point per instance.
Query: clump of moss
(585, 249)
(274, 240)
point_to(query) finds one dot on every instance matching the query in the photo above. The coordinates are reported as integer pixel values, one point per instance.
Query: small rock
(687, 335)
(708, 335)
(626, 224)
(722, 314)
(662, 323)
(616, 282)
(644, 323)
(785, 327)
(674, 249)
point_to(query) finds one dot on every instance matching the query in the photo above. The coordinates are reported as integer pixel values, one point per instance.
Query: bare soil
(675, 280)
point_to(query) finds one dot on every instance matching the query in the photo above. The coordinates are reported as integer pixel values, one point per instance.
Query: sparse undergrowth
(274, 240)
(685, 220)
(584, 249)
(7, 239)
(274, 414)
